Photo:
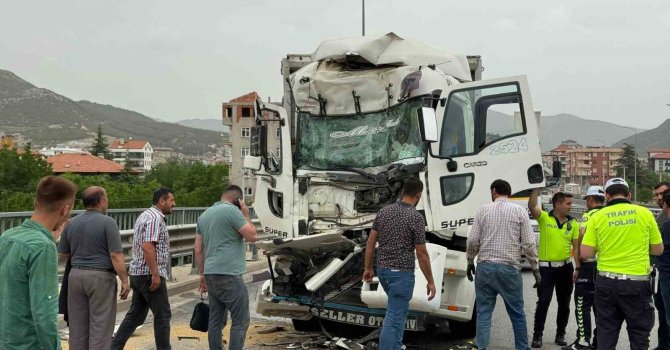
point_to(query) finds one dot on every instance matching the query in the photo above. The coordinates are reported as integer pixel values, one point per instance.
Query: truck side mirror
(556, 169)
(427, 124)
(259, 141)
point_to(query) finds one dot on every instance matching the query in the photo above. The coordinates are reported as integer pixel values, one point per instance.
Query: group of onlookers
(90, 244)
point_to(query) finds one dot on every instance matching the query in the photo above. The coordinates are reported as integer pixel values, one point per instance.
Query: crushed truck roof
(391, 49)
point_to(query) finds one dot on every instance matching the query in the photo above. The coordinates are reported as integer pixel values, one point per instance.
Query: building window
(229, 112)
(278, 133)
(248, 191)
(246, 132)
(278, 152)
(245, 152)
(246, 112)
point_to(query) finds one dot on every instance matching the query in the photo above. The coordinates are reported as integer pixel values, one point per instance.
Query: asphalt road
(501, 334)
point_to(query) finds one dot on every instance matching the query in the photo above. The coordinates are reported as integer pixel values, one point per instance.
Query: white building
(52, 151)
(139, 152)
(659, 160)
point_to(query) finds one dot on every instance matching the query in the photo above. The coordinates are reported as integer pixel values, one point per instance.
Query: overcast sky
(598, 59)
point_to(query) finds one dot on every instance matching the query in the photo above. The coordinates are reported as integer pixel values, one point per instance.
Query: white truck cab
(359, 116)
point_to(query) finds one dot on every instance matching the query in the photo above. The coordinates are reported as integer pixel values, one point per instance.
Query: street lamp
(363, 18)
(635, 174)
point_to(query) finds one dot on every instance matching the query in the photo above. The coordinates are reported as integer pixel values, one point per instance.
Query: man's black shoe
(560, 339)
(537, 341)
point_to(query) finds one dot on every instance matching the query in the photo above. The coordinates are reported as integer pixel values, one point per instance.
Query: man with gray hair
(92, 242)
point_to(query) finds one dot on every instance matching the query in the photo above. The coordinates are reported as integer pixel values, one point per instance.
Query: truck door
(273, 200)
(488, 131)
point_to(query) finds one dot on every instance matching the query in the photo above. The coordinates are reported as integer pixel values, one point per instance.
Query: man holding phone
(220, 255)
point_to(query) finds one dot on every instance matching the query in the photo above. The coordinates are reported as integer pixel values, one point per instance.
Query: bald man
(93, 243)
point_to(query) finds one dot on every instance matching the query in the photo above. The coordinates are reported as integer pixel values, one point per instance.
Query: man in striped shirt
(500, 234)
(148, 271)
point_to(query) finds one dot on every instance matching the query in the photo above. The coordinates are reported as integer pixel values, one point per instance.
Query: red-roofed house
(659, 159)
(83, 164)
(139, 152)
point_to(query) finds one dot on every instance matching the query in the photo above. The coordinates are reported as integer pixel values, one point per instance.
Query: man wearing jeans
(400, 230)
(661, 219)
(221, 258)
(148, 271)
(663, 266)
(500, 234)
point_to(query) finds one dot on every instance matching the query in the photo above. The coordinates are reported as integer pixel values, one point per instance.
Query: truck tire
(464, 330)
(311, 325)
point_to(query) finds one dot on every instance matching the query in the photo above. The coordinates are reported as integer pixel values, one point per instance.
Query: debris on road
(272, 329)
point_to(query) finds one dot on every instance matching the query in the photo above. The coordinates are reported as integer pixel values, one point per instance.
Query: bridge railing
(181, 228)
(125, 218)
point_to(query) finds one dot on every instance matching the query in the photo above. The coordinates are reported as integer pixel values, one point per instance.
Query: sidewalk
(182, 281)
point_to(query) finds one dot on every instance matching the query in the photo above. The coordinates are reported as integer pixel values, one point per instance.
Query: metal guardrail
(125, 218)
(182, 243)
(181, 228)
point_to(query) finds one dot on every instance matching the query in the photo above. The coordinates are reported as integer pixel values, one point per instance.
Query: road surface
(501, 333)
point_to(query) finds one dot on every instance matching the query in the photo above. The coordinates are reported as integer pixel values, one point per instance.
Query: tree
(194, 183)
(627, 162)
(19, 175)
(128, 173)
(99, 146)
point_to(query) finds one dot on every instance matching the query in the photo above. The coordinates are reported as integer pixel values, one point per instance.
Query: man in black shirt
(400, 230)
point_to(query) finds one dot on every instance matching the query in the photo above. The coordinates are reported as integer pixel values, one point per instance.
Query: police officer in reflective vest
(623, 235)
(585, 276)
(559, 233)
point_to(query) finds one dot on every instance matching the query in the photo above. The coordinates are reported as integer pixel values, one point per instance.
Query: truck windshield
(360, 141)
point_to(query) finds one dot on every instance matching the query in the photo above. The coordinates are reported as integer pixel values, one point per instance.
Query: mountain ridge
(48, 118)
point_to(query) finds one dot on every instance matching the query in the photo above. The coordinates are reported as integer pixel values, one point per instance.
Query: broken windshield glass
(360, 141)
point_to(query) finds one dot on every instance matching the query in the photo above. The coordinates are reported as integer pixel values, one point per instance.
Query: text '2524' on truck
(359, 116)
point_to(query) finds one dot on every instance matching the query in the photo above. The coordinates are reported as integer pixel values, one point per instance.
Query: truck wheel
(464, 329)
(311, 325)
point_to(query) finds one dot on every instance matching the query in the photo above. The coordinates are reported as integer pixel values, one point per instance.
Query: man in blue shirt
(221, 259)
(663, 261)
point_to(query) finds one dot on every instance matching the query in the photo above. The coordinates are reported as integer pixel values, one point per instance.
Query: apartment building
(659, 160)
(139, 153)
(239, 115)
(584, 165)
(593, 165)
(560, 153)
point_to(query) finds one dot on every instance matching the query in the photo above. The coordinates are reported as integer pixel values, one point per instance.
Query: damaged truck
(359, 116)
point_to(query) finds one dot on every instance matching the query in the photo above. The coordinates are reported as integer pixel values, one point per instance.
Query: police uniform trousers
(585, 291)
(559, 279)
(619, 300)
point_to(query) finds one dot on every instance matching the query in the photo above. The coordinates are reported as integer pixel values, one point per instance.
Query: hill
(204, 124)
(654, 138)
(48, 118)
(557, 128)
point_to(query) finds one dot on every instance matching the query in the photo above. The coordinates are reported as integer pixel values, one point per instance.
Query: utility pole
(635, 176)
(635, 170)
(363, 27)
